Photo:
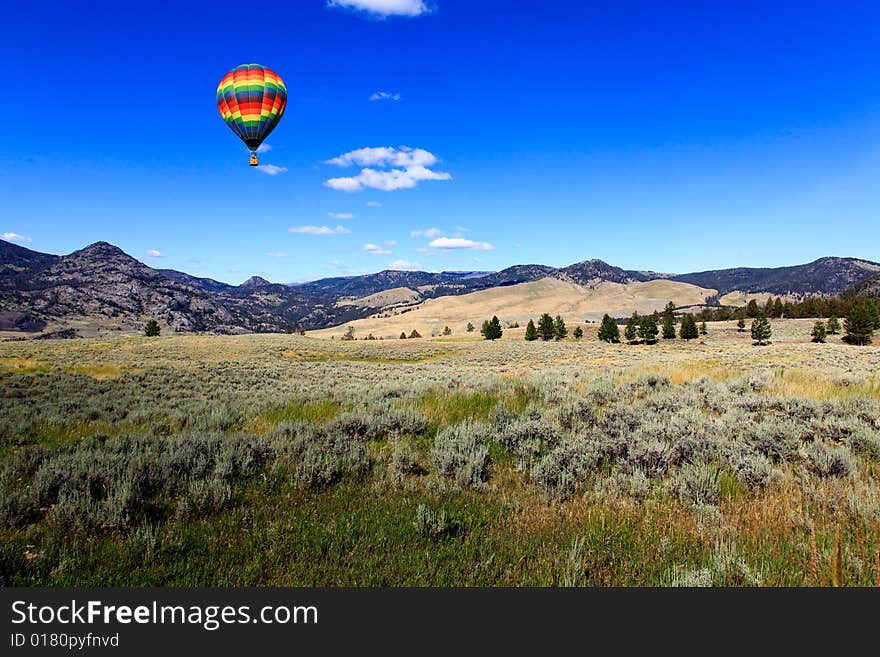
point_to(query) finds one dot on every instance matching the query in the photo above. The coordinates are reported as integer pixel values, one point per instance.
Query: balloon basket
(254, 160)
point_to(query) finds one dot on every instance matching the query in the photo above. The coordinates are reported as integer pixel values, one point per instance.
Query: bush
(567, 465)
(825, 461)
(151, 330)
(430, 523)
(460, 452)
(697, 483)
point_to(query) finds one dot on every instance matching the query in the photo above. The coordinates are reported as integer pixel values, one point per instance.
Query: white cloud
(153, 253)
(404, 265)
(264, 148)
(385, 156)
(375, 249)
(459, 243)
(340, 215)
(384, 95)
(271, 169)
(387, 181)
(412, 168)
(276, 254)
(390, 243)
(319, 230)
(430, 233)
(374, 204)
(15, 237)
(384, 8)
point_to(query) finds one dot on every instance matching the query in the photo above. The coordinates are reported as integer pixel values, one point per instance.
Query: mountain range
(102, 285)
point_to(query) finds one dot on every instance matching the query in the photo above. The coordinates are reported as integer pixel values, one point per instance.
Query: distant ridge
(103, 284)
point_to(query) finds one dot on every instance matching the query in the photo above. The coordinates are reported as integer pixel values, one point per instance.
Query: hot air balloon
(251, 99)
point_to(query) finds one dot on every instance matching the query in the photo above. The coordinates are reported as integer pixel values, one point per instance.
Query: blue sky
(673, 136)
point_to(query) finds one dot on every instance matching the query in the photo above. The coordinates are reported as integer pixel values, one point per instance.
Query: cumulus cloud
(384, 95)
(276, 254)
(404, 265)
(271, 169)
(375, 249)
(401, 168)
(385, 156)
(387, 181)
(15, 237)
(319, 230)
(264, 148)
(153, 253)
(340, 215)
(374, 204)
(430, 233)
(384, 8)
(450, 243)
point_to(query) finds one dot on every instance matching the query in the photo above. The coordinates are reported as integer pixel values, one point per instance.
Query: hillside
(518, 303)
(101, 287)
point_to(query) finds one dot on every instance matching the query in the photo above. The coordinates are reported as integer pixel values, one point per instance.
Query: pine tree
(608, 330)
(688, 329)
(858, 325)
(546, 327)
(768, 307)
(778, 308)
(761, 330)
(151, 330)
(578, 333)
(632, 328)
(559, 329)
(819, 332)
(447, 330)
(415, 334)
(648, 329)
(833, 326)
(669, 321)
(491, 329)
(470, 327)
(741, 325)
(403, 335)
(703, 329)
(752, 309)
(531, 331)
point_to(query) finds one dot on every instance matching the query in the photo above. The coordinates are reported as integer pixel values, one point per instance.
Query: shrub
(405, 460)
(460, 452)
(431, 523)
(566, 465)
(825, 461)
(528, 437)
(151, 330)
(697, 483)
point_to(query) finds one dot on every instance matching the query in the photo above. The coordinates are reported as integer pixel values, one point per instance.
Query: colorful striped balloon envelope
(251, 99)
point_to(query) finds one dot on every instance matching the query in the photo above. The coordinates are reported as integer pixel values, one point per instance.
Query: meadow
(289, 460)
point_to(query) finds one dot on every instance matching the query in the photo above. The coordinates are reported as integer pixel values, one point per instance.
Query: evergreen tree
(632, 328)
(778, 308)
(819, 332)
(761, 330)
(858, 325)
(559, 329)
(703, 329)
(648, 329)
(491, 329)
(578, 333)
(768, 307)
(669, 321)
(470, 328)
(546, 327)
(403, 335)
(349, 333)
(608, 330)
(531, 331)
(151, 330)
(688, 329)
(741, 325)
(415, 334)
(447, 330)
(668, 327)
(752, 309)
(833, 326)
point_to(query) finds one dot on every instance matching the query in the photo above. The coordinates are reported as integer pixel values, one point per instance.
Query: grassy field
(289, 460)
